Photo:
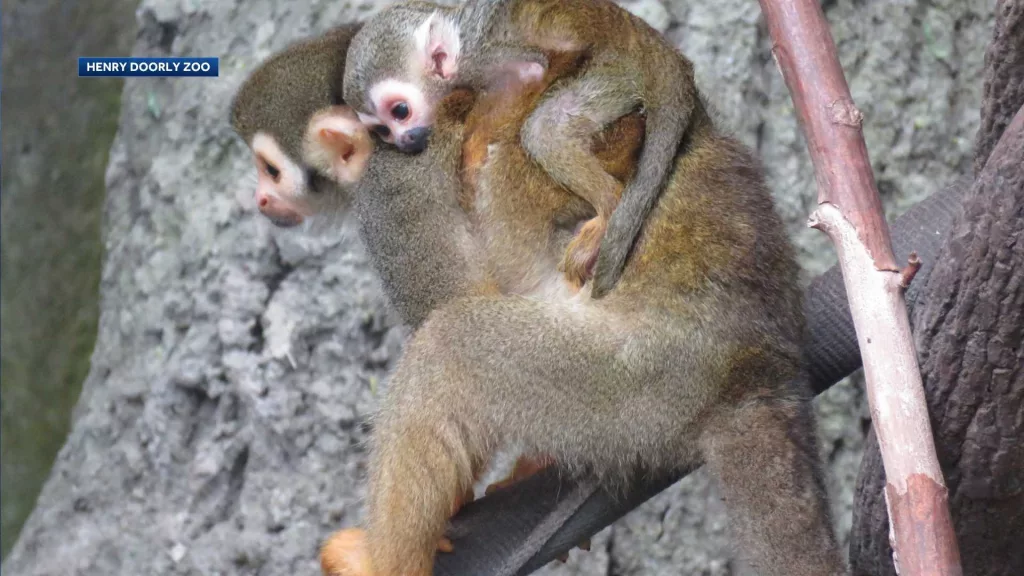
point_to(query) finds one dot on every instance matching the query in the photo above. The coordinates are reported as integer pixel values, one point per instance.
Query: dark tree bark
(969, 338)
(1004, 79)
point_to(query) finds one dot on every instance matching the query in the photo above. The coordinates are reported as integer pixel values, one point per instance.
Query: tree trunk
(969, 336)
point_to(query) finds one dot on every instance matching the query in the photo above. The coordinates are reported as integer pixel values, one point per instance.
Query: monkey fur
(413, 52)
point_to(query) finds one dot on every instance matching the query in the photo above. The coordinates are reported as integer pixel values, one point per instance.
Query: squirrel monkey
(692, 359)
(407, 57)
(409, 207)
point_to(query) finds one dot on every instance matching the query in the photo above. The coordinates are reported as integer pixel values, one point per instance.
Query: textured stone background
(219, 430)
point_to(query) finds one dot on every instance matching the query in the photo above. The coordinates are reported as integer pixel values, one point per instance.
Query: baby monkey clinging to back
(409, 56)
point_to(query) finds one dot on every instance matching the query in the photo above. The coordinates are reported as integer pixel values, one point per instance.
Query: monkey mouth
(290, 221)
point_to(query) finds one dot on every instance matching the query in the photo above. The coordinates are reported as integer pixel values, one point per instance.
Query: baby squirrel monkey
(408, 56)
(692, 359)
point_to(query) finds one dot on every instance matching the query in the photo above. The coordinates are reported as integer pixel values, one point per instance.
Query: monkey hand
(581, 254)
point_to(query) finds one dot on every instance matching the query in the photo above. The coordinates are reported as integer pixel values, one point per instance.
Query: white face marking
(280, 183)
(290, 182)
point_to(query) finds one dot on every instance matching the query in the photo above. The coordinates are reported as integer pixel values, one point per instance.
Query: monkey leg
(779, 514)
(479, 373)
(558, 135)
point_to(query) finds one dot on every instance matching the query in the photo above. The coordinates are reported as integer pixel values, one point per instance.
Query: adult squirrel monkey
(691, 359)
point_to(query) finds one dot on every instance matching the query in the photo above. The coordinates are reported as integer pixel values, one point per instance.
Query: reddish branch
(969, 327)
(850, 212)
(805, 53)
(910, 270)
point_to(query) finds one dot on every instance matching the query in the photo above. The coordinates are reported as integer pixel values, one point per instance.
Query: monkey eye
(272, 171)
(400, 111)
(382, 131)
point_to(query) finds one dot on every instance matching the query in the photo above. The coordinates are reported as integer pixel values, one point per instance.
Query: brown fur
(632, 67)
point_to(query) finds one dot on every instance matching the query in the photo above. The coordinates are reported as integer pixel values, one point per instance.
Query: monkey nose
(414, 141)
(278, 213)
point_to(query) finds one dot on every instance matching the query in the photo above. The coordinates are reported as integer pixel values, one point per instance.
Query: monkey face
(413, 66)
(402, 114)
(336, 147)
(280, 183)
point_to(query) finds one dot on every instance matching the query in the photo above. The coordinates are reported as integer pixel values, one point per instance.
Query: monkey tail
(666, 125)
(764, 455)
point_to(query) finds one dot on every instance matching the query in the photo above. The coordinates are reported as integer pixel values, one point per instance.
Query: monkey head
(399, 66)
(308, 152)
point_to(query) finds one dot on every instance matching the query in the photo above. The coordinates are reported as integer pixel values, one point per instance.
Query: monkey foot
(564, 556)
(445, 545)
(581, 254)
(344, 554)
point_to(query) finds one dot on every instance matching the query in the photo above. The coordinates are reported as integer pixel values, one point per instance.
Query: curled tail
(666, 125)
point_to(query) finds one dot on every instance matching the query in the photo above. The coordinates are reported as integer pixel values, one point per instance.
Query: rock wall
(220, 430)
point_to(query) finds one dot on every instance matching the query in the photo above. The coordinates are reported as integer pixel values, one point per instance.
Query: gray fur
(417, 235)
(285, 91)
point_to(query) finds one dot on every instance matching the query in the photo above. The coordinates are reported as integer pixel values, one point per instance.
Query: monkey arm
(499, 65)
(518, 530)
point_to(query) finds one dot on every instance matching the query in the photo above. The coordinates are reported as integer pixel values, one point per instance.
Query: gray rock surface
(220, 429)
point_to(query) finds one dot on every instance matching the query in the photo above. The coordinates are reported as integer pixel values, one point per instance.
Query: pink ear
(336, 141)
(440, 46)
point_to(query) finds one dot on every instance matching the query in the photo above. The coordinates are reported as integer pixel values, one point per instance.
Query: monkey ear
(438, 46)
(338, 144)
